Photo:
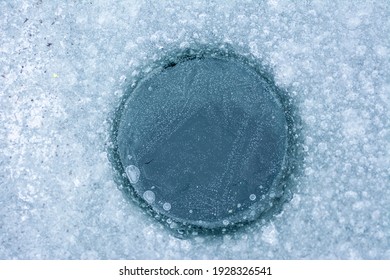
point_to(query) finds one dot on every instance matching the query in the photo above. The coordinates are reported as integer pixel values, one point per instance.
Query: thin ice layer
(206, 134)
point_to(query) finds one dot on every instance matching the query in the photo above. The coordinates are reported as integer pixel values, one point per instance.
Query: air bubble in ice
(149, 196)
(167, 206)
(132, 173)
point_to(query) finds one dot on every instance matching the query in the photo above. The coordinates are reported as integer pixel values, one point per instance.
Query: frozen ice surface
(62, 69)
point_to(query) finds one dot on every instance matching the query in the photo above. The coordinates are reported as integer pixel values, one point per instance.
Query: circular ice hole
(209, 133)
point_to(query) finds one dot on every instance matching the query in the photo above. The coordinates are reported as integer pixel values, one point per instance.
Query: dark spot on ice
(170, 64)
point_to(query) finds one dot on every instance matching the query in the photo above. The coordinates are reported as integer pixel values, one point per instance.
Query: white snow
(63, 67)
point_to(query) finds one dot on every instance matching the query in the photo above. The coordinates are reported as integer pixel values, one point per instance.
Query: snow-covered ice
(63, 67)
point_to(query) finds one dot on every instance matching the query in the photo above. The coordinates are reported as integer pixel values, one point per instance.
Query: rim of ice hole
(289, 170)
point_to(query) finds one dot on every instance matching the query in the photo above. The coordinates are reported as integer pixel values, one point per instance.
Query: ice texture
(63, 66)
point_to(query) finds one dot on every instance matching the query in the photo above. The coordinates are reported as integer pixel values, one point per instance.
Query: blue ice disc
(204, 142)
